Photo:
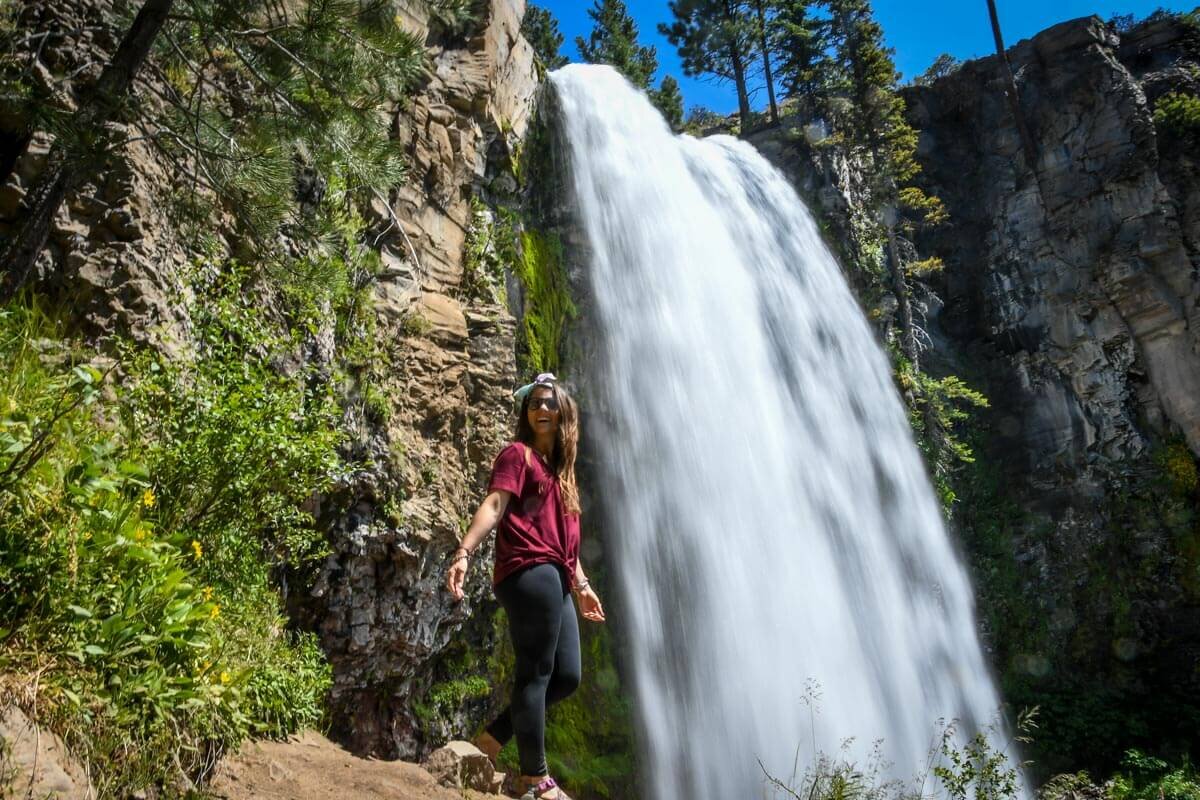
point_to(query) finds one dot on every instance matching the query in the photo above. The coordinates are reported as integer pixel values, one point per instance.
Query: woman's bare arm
(486, 518)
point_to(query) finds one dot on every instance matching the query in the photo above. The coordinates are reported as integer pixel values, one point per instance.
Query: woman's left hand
(589, 605)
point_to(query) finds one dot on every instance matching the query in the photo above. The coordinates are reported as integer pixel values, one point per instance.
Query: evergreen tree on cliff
(864, 72)
(800, 41)
(715, 37)
(241, 93)
(540, 29)
(669, 100)
(764, 50)
(614, 41)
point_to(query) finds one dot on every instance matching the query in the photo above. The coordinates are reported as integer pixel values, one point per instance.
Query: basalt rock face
(115, 258)
(1073, 301)
(1087, 288)
(379, 604)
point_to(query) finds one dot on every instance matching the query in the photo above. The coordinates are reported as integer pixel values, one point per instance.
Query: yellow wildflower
(197, 550)
(224, 676)
(140, 534)
(214, 611)
(148, 498)
(207, 592)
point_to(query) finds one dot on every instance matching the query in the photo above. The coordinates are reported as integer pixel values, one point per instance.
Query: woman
(533, 502)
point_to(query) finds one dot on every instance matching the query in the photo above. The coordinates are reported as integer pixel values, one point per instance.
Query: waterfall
(787, 580)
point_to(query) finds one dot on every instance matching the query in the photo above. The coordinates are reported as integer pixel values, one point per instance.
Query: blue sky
(919, 30)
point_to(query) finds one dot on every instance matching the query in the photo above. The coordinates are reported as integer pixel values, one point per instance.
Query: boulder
(36, 762)
(462, 765)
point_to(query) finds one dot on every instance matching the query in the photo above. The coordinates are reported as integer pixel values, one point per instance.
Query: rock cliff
(422, 449)
(1072, 300)
(1075, 300)
(379, 604)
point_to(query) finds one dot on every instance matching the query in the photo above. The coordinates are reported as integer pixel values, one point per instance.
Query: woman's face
(543, 410)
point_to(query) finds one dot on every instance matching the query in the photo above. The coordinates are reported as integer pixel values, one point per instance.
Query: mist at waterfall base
(786, 577)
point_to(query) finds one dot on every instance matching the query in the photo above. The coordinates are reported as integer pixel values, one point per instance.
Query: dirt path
(310, 767)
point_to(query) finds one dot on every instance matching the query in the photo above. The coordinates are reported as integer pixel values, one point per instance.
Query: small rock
(37, 760)
(462, 765)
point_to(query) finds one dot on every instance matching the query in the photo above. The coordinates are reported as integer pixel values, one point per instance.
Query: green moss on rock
(548, 304)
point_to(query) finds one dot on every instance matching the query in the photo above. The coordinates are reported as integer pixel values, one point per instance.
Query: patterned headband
(543, 379)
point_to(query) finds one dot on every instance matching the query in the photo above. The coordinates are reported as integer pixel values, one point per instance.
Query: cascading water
(772, 524)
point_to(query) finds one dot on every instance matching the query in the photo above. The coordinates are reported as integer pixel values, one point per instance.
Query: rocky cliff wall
(1073, 302)
(441, 409)
(379, 604)
(1087, 288)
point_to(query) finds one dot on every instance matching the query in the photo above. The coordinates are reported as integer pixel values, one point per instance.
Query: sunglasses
(549, 403)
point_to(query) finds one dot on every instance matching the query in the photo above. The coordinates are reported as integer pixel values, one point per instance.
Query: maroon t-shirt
(535, 527)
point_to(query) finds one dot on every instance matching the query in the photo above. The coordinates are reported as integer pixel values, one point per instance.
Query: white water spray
(772, 522)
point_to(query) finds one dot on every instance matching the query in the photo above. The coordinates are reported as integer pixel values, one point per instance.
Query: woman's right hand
(456, 576)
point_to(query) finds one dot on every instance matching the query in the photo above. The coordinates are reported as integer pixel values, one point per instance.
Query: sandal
(535, 792)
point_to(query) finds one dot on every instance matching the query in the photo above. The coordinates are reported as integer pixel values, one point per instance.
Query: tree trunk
(766, 56)
(739, 67)
(908, 339)
(66, 170)
(739, 78)
(1014, 101)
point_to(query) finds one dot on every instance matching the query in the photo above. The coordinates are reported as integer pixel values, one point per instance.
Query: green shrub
(1178, 115)
(1144, 777)
(235, 447)
(974, 770)
(139, 525)
(491, 247)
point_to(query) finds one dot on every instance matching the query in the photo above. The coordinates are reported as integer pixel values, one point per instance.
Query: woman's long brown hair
(566, 440)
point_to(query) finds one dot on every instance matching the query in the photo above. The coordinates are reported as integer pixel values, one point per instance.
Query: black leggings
(545, 637)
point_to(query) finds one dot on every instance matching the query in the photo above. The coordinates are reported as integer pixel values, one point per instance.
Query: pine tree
(244, 93)
(614, 41)
(540, 29)
(764, 49)
(67, 163)
(943, 65)
(876, 127)
(800, 41)
(669, 101)
(715, 37)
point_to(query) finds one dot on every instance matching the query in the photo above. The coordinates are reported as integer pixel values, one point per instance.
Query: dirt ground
(310, 767)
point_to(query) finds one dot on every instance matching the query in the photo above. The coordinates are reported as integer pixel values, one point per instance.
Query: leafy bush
(120, 626)
(235, 447)
(1178, 115)
(1177, 467)
(1144, 777)
(491, 247)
